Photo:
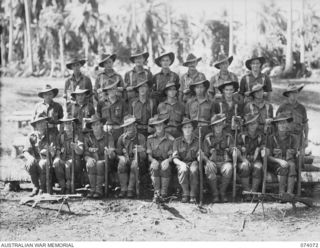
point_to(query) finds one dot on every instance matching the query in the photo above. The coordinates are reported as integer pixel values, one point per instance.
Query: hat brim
(128, 123)
(206, 84)
(54, 90)
(165, 121)
(298, 89)
(33, 123)
(111, 86)
(193, 122)
(112, 56)
(164, 91)
(75, 120)
(89, 123)
(84, 91)
(147, 82)
(233, 83)
(252, 120)
(186, 63)
(218, 121)
(145, 55)
(248, 62)
(229, 59)
(251, 93)
(81, 61)
(157, 61)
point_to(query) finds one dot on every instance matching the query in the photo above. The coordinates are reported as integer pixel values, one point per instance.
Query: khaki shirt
(282, 148)
(188, 78)
(90, 141)
(265, 109)
(199, 110)
(71, 83)
(80, 112)
(184, 151)
(142, 111)
(160, 148)
(251, 143)
(53, 110)
(65, 147)
(248, 81)
(112, 112)
(221, 146)
(104, 79)
(127, 144)
(218, 79)
(176, 111)
(159, 82)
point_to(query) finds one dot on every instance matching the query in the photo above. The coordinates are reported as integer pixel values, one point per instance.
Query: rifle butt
(106, 176)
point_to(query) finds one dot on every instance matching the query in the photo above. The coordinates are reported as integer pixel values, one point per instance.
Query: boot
(214, 190)
(245, 187)
(43, 186)
(34, 192)
(100, 181)
(223, 188)
(291, 183)
(132, 181)
(156, 184)
(35, 182)
(123, 178)
(255, 184)
(282, 184)
(164, 186)
(92, 180)
(185, 193)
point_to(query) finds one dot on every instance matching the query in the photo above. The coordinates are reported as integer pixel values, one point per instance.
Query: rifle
(200, 169)
(235, 156)
(301, 159)
(265, 157)
(49, 162)
(136, 159)
(73, 160)
(106, 172)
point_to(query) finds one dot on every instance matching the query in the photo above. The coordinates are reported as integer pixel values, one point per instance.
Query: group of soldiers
(167, 127)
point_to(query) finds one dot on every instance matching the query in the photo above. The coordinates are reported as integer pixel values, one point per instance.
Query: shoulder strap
(130, 77)
(263, 79)
(248, 82)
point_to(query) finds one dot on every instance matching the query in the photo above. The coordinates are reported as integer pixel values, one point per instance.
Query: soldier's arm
(149, 150)
(242, 88)
(175, 153)
(66, 86)
(143, 143)
(28, 147)
(96, 87)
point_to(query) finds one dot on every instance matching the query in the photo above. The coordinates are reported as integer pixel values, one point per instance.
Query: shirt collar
(110, 72)
(165, 73)
(193, 138)
(74, 77)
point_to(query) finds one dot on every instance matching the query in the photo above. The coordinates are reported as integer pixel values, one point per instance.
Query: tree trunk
(28, 26)
(245, 22)
(61, 48)
(10, 33)
(169, 24)
(289, 57)
(302, 45)
(231, 29)
(52, 63)
(150, 48)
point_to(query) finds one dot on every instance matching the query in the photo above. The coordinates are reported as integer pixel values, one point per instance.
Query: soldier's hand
(108, 151)
(91, 149)
(247, 93)
(73, 145)
(183, 166)
(283, 163)
(269, 121)
(198, 155)
(139, 149)
(99, 91)
(129, 88)
(210, 168)
(243, 149)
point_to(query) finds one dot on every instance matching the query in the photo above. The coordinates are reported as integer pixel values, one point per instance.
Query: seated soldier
(68, 142)
(251, 142)
(159, 150)
(283, 148)
(128, 164)
(36, 151)
(98, 145)
(217, 148)
(172, 107)
(185, 152)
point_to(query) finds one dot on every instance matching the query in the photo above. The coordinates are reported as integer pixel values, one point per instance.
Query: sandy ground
(111, 219)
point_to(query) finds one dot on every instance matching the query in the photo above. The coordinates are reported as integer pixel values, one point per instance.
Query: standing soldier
(77, 79)
(185, 152)
(172, 107)
(68, 141)
(283, 149)
(259, 106)
(228, 104)
(137, 74)
(36, 151)
(49, 108)
(223, 75)
(112, 110)
(251, 141)
(143, 107)
(165, 60)
(200, 108)
(81, 108)
(218, 157)
(255, 76)
(159, 150)
(299, 126)
(108, 76)
(98, 145)
(192, 75)
(128, 164)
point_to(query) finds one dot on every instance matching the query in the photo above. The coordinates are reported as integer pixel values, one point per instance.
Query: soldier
(255, 76)
(259, 106)
(77, 79)
(159, 150)
(250, 143)
(112, 110)
(200, 108)
(299, 126)
(217, 148)
(165, 60)
(185, 152)
(223, 75)
(98, 145)
(191, 76)
(49, 107)
(143, 107)
(108, 76)
(283, 148)
(172, 107)
(36, 150)
(81, 108)
(137, 74)
(127, 163)
(68, 141)
(228, 104)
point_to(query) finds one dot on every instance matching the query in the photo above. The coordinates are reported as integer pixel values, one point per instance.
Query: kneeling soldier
(185, 151)
(69, 143)
(98, 146)
(283, 146)
(36, 153)
(217, 155)
(159, 150)
(128, 163)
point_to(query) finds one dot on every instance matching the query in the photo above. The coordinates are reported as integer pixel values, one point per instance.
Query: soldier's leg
(91, 166)
(226, 174)
(256, 176)
(194, 181)
(42, 173)
(123, 175)
(165, 173)
(183, 176)
(291, 176)
(282, 174)
(155, 176)
(32, 168)
(212, 180)
(132, 178)
(78, 172)
(244, 173)
(100, 179)
(67, 166)
(59, 170)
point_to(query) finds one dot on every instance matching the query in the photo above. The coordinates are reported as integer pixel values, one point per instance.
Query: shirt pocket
(176, 115)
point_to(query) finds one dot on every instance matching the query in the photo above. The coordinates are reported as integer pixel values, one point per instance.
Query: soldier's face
(228, 90)
(218, 128)
(41, 127)
(200, 89)
(96, 127)
(76, 67)
(48, 96)
(282, 126)
(252, 127)
(139, 61)
(187, 129)
(108, 64)
(165, 62)
(258, 94)
(159, 128)
(171, 92)
(80, 97)
(68, 128)
(193, 65)
(143, 89)
(256, 65)
(293, 96)
(131, 129)
(224, 66)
